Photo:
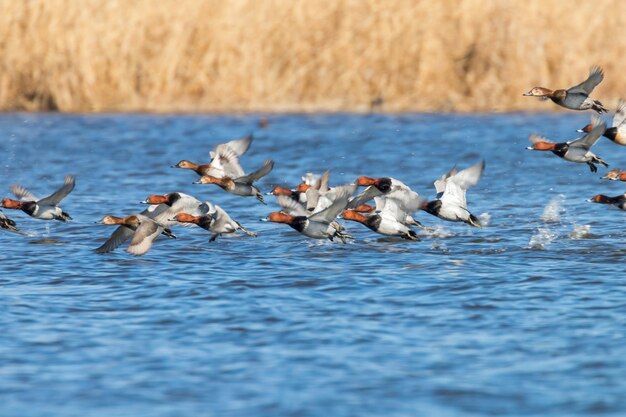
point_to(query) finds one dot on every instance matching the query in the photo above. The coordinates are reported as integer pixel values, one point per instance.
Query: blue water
(525, 317)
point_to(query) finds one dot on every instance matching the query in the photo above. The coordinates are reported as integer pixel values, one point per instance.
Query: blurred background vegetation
(304, 55)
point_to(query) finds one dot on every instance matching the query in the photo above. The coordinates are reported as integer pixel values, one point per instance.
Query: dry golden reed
(311, 55)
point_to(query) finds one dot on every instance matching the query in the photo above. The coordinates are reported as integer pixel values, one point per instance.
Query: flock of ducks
(385, 205)
(579, 150)
(312, 208)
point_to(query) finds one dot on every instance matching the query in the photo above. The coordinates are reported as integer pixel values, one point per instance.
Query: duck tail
(8, 224)
(243, 229)
(168, 232)
(411, 235)
(473, 221)
(600, 161)
(599, 107)
(64, 217)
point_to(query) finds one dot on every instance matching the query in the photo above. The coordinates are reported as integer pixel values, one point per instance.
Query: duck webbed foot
(592, 167)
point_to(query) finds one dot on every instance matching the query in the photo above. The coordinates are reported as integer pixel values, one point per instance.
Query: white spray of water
(485, 219)
(542, 238)
(554, 210)
(580, 231)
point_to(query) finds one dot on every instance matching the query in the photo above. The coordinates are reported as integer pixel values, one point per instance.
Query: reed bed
(303, 55)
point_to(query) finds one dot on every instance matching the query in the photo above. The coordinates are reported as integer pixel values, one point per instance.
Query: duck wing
(596, 75)
(118, 237)
(597, 129)
(394, 209)
(258, 174)
(620, 114)
(240, 146)
(61, 193)
(162, 213)
(291, 207)
(366, 195)
(225, 163)
(339, 196)
(454, 195)
(440, 184)
(319, 188)
(145, 234)
(221, 220)
(22, 193)
(469, 177)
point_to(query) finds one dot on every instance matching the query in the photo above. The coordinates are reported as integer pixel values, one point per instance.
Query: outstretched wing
(290, 206)
(620, 114)
(596, 75)
(22, 193)
(118, 237)
(598, 127)
(394, 209)
(225, 163)
(340, 196)
(469, 177)
(239, 146)
(258, 174)
(319, 188)
(61, 193)
(365, 196)
(440, 184)
(145, 234)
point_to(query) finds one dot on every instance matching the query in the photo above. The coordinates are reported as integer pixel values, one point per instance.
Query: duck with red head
(44, 209)
(451, 203)
(617, 132)
(578, 150)
(216, 221)
(574, 98)
(142, 229)
(320, 225)
(615, 175)
(617, 201)
(164, 207)
(224, 159)
(241, 185)
(386, 223)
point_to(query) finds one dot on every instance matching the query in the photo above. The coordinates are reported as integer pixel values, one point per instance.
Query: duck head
(383, 184)
(209, 179)
(111, 220)
(279, 217)
(354, 216)
(364, 208)
(184, 164)
(615, 175)
(539, 92)
(11, 204)
(585, 129)
(302, 188)
(168, 199)
(601, 199)
(281, 191)
(542, 146)
(186, 218)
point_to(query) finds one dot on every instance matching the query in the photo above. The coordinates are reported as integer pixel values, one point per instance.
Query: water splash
(580, 232)
(485, 219)
(438, 231)
(554, 210)
(542, 238)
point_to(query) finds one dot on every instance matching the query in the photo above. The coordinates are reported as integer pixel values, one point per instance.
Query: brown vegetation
(275, 55)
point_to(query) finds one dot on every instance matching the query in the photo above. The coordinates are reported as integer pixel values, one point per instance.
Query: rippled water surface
(525, 317)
